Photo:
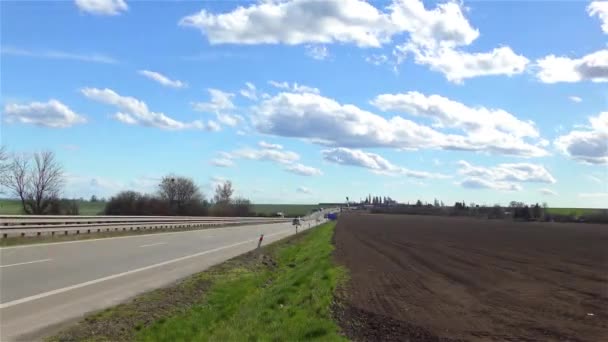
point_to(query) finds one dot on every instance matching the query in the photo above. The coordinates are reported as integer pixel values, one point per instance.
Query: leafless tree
(5, 167)
(223, 193)
(179, 192)
(36, 183)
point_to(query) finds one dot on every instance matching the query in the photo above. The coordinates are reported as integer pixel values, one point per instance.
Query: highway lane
(44, 285)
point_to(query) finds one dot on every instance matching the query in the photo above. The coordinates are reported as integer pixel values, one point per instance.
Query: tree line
(37, 181)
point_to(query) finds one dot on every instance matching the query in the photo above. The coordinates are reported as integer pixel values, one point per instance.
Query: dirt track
(424, 278)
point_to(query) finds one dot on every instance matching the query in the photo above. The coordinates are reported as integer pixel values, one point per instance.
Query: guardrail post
(260, 241)
(22, 234)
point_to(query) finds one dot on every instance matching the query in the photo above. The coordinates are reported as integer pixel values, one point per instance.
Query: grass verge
(282, 292)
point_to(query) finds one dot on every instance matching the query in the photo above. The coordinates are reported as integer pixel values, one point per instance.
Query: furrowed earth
(426, 278)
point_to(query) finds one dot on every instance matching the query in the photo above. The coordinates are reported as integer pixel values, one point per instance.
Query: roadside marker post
(260, 241)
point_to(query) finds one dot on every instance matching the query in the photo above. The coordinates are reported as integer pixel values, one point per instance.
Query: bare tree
(223, 193)
(5, 168)
(179, 192)
(36, 184)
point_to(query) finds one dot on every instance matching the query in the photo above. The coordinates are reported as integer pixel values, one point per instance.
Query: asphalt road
(42, 287)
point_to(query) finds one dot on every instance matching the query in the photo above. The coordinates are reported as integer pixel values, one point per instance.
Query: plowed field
(425, 278)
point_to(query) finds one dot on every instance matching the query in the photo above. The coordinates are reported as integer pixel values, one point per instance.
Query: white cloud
(377, 59)
(590, 145)
(135, 112)
(54, 54)
(220, 104)
(575, 99)
(102, 7)
(597, 179)
(222, 162)
(593, 195)
(458, 65)
(599, 9)
(52, 113)
(480, 183)
(547, 192)
(219, 101)
(273, 153)
(213, 126)
(318, 52)
(508, 172)
(373, 162)
(325, 121)
(249, 91)
(303, 170)
(452, 114)
(296, 22)
(282, 157)
(303, 190)
(294, 87)
(270, 146)
(434, 34)
(592, 67)
(323, 22)
(162, 79)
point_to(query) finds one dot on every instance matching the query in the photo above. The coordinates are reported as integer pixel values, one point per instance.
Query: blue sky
(304, 101)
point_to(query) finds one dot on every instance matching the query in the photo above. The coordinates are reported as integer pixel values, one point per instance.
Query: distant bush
(63, 206)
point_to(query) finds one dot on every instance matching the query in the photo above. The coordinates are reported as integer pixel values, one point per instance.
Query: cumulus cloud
(303, 170)
(377, 59)
(220, 104)
(459, 65)
(296, 22)
(373, 162)
(55, 54)
(272, 153)
(222, 162)
(508, 172)
(480, 183)
(451, 114)
(52, 113)
(270, 146)
(589, 145)
(282, 157)
(102, 7)
(162, 79)
(575, 99)
(318, 52)
(599, 9)
(434, 34)
(294, 87)
(325, 121)
(592, 67)
(303, 190)
(249, 91)
(547, 192)
(135, 112)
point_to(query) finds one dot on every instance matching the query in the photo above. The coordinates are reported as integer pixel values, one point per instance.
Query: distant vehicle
(280, 214)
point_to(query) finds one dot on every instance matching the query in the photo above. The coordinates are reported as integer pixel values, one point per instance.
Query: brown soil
(425, 278)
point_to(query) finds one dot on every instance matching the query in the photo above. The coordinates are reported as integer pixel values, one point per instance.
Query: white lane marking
(154, 244)
(25, 263)
(114, 276)
(136, 236)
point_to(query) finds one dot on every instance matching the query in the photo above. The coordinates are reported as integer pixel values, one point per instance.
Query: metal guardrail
(15, 226)
(42, 225)
(16, 220)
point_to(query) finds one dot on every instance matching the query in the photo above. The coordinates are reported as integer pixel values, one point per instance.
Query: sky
(307, 101)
